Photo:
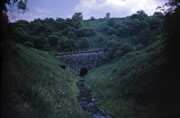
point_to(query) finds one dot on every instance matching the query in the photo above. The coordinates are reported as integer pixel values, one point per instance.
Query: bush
(83, 44)
(41, 43)
(65, 44)
(105, 29)
(100, 39)
(113, 37)
(85, 32)
(53, 39)
(29, 44)
(21, 36)
(111, 22)
(111, 31)
(111, 43)
(122, 50)
(123, 30)
(92, 18)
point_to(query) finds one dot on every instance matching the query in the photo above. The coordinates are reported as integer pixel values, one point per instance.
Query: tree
(5, 4)
(65, 44)
(53, 39)
(158, 14)
(111, 31)
(113, 37)
(123, 49)
(108, 15)
(61, 23)
(141, 15)
(77, 19)
(110, 44)
(92, 18)
(21, 36)
(144, 36)
(37, 26)
(69, 45)
(172, 26)
(70, 22)
(20, 4)
(85, 32)
(111, 22)
(83, 44)
(100, 39)
(155, 22)
(41, 43)
(77, 16)
(123, 30)
(105, 28)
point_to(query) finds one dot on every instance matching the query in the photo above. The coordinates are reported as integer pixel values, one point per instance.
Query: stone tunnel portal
(83, 71)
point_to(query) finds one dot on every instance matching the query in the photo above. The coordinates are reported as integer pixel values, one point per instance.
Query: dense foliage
(172, 29)
(78, 34)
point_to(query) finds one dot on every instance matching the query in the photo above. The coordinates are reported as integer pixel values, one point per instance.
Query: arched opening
(63, 66)
(83, 71)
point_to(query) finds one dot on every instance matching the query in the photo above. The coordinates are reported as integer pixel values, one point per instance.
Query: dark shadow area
(63, 66)
(83, 71)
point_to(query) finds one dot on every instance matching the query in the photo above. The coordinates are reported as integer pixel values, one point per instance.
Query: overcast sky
(96, 8)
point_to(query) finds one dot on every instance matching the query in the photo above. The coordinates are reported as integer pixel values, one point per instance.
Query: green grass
(137, 85)
(34, 86)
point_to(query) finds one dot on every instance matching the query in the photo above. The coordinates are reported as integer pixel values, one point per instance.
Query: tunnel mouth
(63, 66)
(83, 71)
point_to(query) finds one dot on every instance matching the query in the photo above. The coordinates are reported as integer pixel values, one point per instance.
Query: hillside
(140, 84)
(35, 86)
(75, 33)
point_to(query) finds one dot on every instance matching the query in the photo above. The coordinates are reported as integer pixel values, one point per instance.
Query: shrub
(122, 50)
(111, 31)
(29, 44)
(41, 43)
(111, 22)
(85, 32)
(53, 39)
(100, 39)
(105, 28)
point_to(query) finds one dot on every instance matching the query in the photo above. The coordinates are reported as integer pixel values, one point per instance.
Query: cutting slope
(141, 84)
(35, 86)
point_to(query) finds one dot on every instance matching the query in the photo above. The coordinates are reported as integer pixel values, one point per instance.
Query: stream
(87, 101)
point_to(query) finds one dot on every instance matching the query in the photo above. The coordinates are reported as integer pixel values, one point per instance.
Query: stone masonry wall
(83, 59)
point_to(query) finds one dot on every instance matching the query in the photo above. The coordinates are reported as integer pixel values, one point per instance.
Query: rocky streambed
(87, 101)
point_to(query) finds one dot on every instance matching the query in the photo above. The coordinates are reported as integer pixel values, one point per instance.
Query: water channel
(87, 101)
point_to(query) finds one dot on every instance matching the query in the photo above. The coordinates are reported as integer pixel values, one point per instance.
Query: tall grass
(35, 86)
(137, 85)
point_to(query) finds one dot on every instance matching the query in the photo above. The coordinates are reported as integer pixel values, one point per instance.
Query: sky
(96, 8)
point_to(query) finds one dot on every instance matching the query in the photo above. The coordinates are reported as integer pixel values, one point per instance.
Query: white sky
(117, 8)
(96, 8)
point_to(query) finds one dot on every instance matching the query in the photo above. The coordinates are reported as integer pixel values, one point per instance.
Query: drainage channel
(87, 101)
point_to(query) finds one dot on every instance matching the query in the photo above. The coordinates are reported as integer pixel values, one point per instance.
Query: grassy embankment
(34, 86)
(139, 84)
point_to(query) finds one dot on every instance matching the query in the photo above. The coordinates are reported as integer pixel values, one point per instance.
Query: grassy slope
(34, 86)
(138, 85)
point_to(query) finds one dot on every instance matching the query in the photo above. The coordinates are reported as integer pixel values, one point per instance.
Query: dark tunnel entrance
(63, 66)
(83, 71)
